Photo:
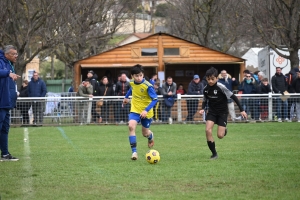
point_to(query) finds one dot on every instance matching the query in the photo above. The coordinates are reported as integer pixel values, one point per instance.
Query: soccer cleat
(134, 156)
(213, 157)
(151, 142)
(225, 131)
(8, 157)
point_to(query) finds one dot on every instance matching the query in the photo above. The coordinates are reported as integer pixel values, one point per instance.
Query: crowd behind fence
(69, 109)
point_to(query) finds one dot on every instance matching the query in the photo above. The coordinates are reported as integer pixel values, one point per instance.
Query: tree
(70, 29)
(278, 23)
(212, 23)
(161, 10)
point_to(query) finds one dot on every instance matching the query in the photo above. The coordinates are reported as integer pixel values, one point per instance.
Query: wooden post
(160, 52)
(77, 73)
(242, 68)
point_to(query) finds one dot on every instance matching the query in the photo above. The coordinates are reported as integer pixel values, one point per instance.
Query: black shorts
(220, 119)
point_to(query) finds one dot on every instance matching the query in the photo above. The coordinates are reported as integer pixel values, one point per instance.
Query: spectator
(291, 76)
(264, 88)
(95, 83)
(8, 96)
(122, 88)
(168, 91)
(229, 82)
(157, 108)
(247, 86)
(180, 89)
(279, 86)
(153, 79)
(37, 88)
(84, 90)
(105, 89)
(195, 88)
(245, 72)
(24, 105)
(71, 89)
(296, 86)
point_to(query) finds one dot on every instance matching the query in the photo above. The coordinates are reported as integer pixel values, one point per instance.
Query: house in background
(34, 65)
(133, 37)
(162, 54)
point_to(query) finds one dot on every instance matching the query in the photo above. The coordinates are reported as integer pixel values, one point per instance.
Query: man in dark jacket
(279, 86)
(8, 97)
(37, 88)
(122, 87)
(291, 76)
(195, 88)
(248, 86)
(296, 86)
(24, 105)
(168, 91)
(95, 83)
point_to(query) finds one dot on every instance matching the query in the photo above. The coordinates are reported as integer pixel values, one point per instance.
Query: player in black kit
(216, 94)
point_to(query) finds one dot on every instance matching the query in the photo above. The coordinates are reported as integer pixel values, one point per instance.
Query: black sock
(211, 146)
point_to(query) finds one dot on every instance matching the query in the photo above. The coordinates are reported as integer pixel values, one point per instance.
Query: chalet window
(171, 52)
(149, 51)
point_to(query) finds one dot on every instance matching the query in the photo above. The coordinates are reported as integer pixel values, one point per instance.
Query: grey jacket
(166, 88)
(85, 91)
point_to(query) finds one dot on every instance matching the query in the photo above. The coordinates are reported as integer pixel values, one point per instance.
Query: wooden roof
(129, 54)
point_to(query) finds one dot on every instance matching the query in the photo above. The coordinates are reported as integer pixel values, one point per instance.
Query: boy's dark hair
(87, 80)
(136, 69)
(212, 72)
(264, 79)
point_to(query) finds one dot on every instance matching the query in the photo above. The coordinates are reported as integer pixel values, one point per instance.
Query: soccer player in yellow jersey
(143, 100)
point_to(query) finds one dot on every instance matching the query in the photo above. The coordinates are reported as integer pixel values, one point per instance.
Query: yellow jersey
(141, 98)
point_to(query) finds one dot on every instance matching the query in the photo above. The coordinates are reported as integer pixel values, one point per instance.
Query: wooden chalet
(160, 53)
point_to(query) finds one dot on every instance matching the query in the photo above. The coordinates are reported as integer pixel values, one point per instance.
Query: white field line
(27, 169)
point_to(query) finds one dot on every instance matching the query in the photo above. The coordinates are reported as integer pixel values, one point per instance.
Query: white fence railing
(68, 109)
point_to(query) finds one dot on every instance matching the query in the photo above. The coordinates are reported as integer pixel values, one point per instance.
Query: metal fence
(68, 109)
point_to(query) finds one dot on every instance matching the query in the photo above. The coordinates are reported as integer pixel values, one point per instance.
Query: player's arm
(236, 100)
(153, 96)
(204, 103)
(126, 99)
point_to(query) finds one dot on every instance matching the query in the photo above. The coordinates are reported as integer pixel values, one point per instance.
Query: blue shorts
(145, 121)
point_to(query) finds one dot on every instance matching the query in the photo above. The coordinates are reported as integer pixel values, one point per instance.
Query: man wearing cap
(195, 88)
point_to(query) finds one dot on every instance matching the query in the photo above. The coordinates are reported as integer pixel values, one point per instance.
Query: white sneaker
(287, 119)
(170, 120)
(299, 120)
(134, 156)
(279, 120)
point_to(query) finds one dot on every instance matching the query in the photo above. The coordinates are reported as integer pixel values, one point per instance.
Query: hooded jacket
(8, 94)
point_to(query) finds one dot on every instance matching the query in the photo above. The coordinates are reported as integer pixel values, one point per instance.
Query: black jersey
(216, 96)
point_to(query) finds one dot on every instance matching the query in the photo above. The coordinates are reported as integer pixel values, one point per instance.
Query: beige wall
(34, 65)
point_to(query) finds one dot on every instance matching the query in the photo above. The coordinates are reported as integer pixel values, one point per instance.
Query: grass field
(256, 161)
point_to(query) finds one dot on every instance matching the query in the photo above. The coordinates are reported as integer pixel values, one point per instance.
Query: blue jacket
(195, 88)
(229, 83)
(8, 94)
(37, 88)
(248, 88)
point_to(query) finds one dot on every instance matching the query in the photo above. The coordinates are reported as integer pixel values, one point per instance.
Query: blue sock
(132, 141)
(150, 136)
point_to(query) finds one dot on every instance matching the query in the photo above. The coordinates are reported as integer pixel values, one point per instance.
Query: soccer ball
(152, 156)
